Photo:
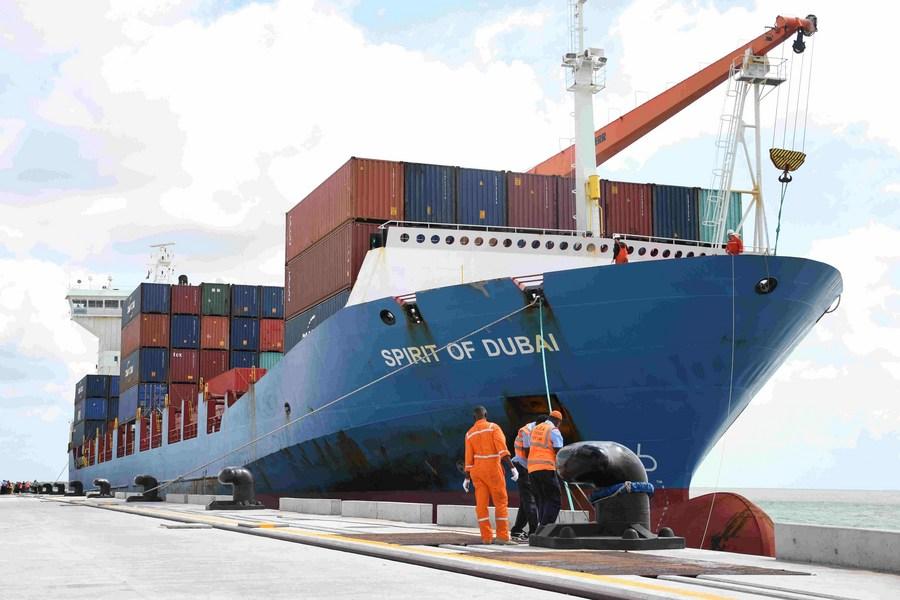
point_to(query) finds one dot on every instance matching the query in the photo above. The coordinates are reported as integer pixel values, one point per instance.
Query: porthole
(703, 254)
(642, 251)
(667, 253)
(435, 239)
(388, 317)
(464, 241)
(678, 254)
(549, 245)
(536, 244)
(479, 241)
(564, 245)
(766, 285)
(630, 249)
(654, 252)
(404, 237)
(520, 243)
(576, 247)
(690, 254)
(591, 248)
(420, 238)
(449, 239)
(507, 243)
(604, 247)
(492, 242)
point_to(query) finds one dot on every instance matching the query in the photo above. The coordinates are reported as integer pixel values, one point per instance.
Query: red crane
(614, 137)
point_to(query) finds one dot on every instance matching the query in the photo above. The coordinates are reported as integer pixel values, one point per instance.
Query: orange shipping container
(214, 333)
(145, 331)
(327, 267)
(271, 335)
(361, 189)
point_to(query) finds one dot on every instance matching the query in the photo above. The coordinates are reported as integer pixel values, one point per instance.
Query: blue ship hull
(640, 354)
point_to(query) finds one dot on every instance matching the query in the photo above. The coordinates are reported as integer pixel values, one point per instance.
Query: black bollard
(243, 496)
(46, 488)
(103, 484)
(76, 488)
(59, 489)
(150, 493)
(621, 500)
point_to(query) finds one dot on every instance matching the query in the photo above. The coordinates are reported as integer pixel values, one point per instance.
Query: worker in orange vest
(543, 443)
(527, 507)
(734, 246)
(485, 450)
(620, 250)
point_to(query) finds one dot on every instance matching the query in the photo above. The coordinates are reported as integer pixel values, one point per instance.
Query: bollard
(76, 488)
(621, 500)
(103, 484)
(46, 488)
(243, 496)
(150, 493)
(59, 489)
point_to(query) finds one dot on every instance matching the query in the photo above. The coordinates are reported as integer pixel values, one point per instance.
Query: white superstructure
(100, 312)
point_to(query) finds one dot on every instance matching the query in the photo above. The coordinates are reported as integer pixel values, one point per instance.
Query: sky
(133, 122)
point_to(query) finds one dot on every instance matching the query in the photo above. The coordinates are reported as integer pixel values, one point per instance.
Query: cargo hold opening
(525, 409)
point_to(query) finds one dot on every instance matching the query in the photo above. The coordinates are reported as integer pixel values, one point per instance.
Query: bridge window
(95, 303)
(111, 303)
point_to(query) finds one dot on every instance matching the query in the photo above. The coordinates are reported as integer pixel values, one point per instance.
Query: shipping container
(244, 301)
(185, 331)
(481, 197)
(241, 359)
(212, 363)
(271, 302)
(309, 319)
(675, 212)
(185, 300)
(271, 335)
(112, 409)
(244, 334)
(78, 414)
(87, 430)
(360, 189)
(113, 386)
(735, 212)
(565, 199)
(148, 396)
(326, 268)
(179, 393)
(146, 365)
(216, 299)
(95, 386)
(267, 360)
(146, 298)
(145, 331)
(214, 333)
(95, 408)
(531, 200)
(429, 193)
(184, 366)
(627, 208)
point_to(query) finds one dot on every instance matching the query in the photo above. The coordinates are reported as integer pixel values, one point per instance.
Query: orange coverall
(485, 447)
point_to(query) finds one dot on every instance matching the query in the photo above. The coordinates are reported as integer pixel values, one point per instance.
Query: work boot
(520, 537)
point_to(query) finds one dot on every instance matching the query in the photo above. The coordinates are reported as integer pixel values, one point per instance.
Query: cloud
(486, 36)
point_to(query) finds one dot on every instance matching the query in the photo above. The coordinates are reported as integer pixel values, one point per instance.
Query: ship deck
(80, 548)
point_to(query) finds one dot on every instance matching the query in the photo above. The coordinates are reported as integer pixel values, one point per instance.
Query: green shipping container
(267, 360)
(735, 211)
(216, 299)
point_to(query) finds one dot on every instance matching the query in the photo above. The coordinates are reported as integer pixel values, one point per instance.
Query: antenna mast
(162, 266)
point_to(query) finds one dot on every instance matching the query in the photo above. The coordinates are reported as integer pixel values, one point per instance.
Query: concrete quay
(79, 548)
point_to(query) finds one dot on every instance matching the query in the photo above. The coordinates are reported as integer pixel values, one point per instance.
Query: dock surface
(78, 548)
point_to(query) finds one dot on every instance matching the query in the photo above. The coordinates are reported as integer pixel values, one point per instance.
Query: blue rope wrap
(629, 487)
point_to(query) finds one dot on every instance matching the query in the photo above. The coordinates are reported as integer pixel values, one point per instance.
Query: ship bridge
(100, 312)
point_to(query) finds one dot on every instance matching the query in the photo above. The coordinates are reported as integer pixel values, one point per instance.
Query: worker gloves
(514, 474)
(466, 484)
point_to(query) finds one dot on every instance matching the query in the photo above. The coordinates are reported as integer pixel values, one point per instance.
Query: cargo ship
(414, 292)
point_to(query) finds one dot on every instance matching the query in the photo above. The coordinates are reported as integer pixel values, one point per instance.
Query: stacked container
(95, 397)
(735, 212)
(675, 212)
(627, 208)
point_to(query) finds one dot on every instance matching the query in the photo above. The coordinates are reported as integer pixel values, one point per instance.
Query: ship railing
(190, 431)
(174, 435)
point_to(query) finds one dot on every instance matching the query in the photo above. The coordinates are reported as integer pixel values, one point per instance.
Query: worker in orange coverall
(485, 450)
(734, 246)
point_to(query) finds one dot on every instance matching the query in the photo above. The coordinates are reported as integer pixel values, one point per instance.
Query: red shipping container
(179, 393)
(145, 331)
(271, 335)
(213, 363)
(327, 267)
(361, 189)
(565, 202)
(184, 366)
(627, 208)
(213, 333)
(531, 200)
(185, 300)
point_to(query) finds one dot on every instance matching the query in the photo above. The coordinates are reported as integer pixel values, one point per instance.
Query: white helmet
(616, 236)
(730, 232)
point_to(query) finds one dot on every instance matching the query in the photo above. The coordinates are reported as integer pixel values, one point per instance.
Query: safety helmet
(616, 236)
(730, 232)
(555, 414)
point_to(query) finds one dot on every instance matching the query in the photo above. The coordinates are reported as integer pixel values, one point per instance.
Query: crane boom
(614, 137)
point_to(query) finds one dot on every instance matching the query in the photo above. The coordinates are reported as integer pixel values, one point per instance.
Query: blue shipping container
(148, 396)
(271, 302)
(302, 323)
(146, 365)
(244, 301)
(146, 298)
(113, 386)
(675, 212)
(92, 386)
(481, 197)
(267, 360)
(244, 334)
(95, 408)
(242, 360)
(87, 430)
(185, 331)
(112, 409)
(429, 193)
